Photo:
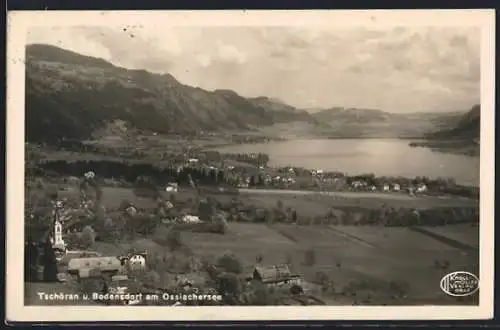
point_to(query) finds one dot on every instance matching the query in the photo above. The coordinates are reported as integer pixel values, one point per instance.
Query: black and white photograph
(250, 159)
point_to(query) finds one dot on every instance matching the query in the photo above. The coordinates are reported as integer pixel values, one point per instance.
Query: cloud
(204, 60)
(229, 53)
(392, 68)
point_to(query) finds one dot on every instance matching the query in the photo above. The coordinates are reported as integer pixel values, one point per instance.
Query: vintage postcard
(260, 165)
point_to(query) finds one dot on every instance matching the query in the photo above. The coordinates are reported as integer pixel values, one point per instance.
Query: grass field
(353, 199)
(393, 254)
(465, 233)
(345, 254)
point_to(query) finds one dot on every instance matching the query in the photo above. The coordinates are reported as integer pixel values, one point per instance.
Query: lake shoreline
(382, 156)
(457, 147)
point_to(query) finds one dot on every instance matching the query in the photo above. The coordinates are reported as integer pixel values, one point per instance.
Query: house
(268, 179)
(396, 187)
(137, 262)
(86, 267)
(168, 205)
(275, 275)
(89, 175)
(386, 187)
(172, 187)
(131, 211)
(191, 219)
(317, 172)
(193, 160)
(357, 184)
(421, 188)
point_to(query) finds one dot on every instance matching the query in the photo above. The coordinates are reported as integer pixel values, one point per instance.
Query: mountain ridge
(69, 95)
(468, 127)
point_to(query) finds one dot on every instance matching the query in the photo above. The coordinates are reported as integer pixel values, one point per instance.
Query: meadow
(359, 262)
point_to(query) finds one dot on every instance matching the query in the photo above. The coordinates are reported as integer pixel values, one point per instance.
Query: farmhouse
(191, 219)
(275, 275)
(137, 262)
(85, 267)
(172, 187)
(421, 188)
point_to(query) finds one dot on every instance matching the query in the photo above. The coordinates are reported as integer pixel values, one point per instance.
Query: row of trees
(130, 172)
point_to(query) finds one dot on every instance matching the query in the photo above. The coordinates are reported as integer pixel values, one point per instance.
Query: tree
(49, 263)
(279, 205)
(310, 258)
(220, 224)
(205, 210)
(88, 237)
(174, 240)
(230, 264)
(269, 217)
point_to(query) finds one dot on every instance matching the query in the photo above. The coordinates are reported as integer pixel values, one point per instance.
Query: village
(55, 256)
(96, 220)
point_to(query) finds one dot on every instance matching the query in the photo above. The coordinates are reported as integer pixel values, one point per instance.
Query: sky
(394, 69)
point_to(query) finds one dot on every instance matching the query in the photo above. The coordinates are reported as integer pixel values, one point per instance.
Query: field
(345, 254)
(354, 199)
(374, 254)
(461, 232)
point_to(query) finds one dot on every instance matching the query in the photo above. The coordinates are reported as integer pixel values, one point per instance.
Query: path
(346, 194)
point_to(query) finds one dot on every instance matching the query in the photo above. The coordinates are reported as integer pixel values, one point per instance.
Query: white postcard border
(17, 25)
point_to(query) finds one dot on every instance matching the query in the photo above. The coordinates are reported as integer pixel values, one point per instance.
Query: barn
(86, 267)
(276, 275)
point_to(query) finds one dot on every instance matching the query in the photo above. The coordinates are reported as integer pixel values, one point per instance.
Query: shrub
(229, 284)
(91, 285)
(296, 289)
(230, 264)
(220, 225)
(279, 205)
(399, 288)
(174, 241)
(321, 278)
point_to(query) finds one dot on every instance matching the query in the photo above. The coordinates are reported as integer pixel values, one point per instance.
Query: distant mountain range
(73, 96)
(462, 138)
(468, 127)
(347, 122)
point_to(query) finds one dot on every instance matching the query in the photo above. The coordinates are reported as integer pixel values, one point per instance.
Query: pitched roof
(102, 263)
(274, 273)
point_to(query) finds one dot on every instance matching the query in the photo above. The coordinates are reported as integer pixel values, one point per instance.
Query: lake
(383, 157)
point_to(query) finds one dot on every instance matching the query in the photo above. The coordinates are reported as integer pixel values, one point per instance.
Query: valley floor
(369, 257)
